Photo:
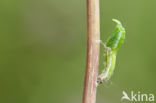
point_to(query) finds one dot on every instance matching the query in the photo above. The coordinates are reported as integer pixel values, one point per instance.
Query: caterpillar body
(110, 50)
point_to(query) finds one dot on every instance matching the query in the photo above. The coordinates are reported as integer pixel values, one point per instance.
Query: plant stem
(93, 47)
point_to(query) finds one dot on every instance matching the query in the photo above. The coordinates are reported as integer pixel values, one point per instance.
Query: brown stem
(93, 46)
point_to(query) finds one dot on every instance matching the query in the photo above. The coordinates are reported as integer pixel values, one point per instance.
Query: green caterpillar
(110, 50)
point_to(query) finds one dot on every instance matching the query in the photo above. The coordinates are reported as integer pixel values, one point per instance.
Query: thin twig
(93, 47)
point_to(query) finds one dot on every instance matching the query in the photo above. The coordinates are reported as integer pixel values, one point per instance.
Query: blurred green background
(43, 50)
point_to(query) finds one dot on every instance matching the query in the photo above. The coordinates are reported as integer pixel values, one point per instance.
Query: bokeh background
(43, 50)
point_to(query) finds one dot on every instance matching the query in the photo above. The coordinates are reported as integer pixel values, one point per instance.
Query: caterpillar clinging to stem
(110, 50)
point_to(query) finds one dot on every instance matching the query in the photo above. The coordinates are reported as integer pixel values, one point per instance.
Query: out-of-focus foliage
(43, 50)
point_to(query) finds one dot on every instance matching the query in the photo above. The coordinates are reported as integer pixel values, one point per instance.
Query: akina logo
(137, 96)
